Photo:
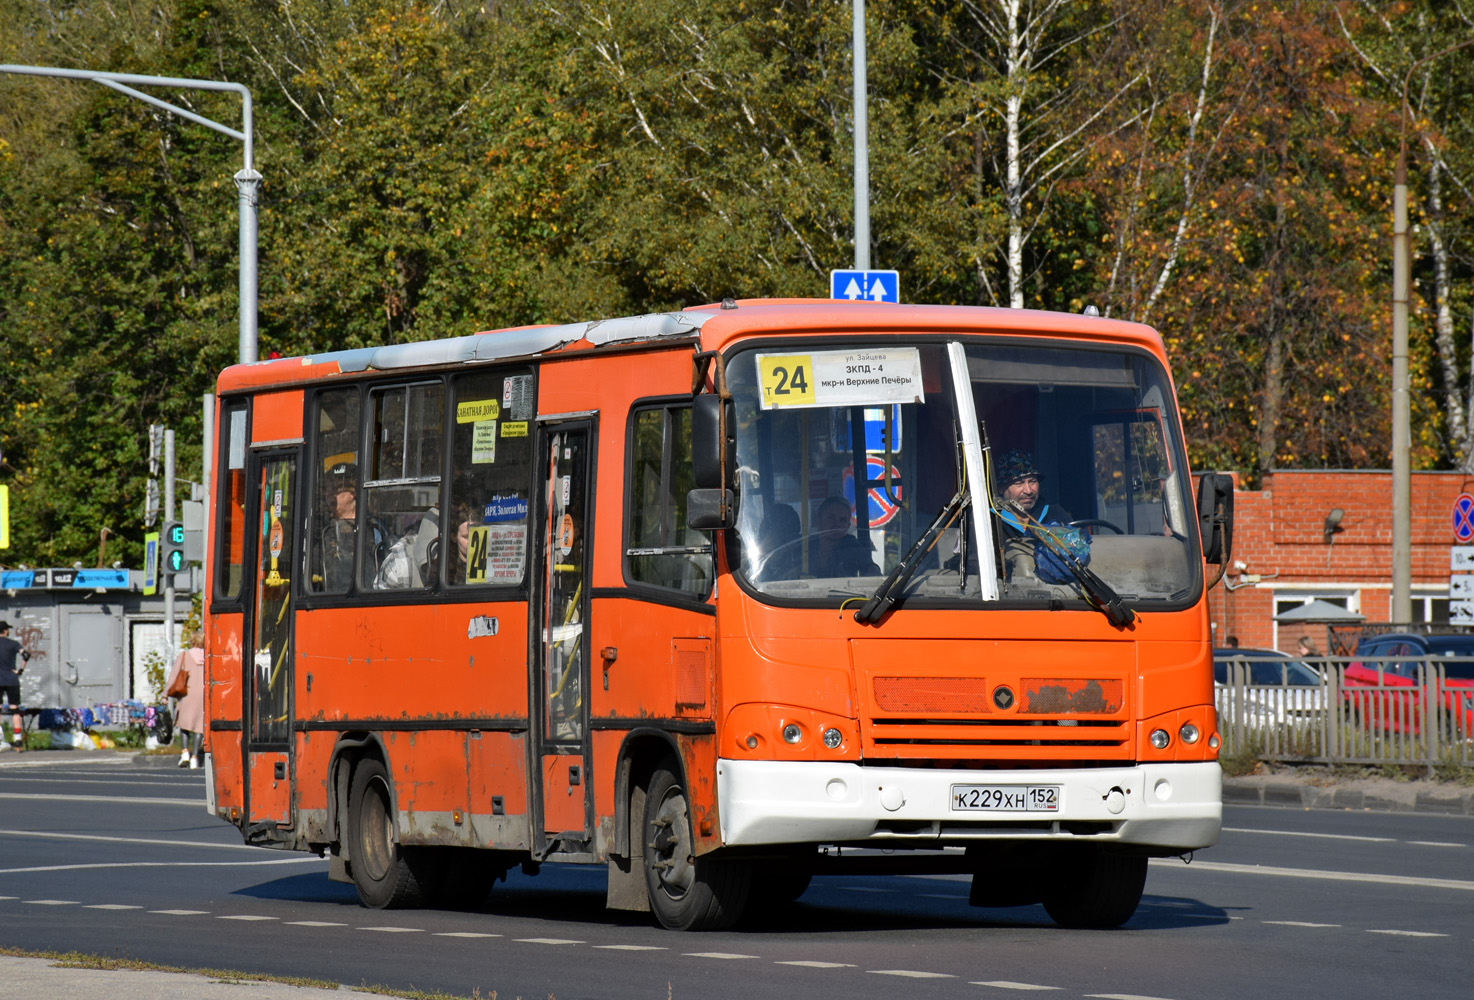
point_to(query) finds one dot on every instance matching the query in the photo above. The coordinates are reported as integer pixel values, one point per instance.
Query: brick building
(1284, 557)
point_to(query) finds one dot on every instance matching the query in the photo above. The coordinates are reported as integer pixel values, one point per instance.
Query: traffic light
(171, 547)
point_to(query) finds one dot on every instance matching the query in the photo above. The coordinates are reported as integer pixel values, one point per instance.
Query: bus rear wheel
(687, 892)
(388, 875)
(1096, 889)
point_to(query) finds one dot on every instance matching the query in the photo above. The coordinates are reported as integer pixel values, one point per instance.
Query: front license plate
(1006, 798)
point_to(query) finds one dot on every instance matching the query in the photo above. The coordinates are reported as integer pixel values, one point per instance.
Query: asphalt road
(100, 855)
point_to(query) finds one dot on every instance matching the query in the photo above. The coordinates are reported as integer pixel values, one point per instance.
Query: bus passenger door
(563, 799)
(269, 655)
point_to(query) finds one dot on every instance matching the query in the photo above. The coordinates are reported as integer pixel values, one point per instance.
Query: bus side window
(401, 490)
(661, 550)
(331, 532)
(229, 564)
(491, 470)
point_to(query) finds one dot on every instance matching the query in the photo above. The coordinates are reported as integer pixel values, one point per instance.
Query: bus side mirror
(708, 449)
(1215, 516)
(708, 510)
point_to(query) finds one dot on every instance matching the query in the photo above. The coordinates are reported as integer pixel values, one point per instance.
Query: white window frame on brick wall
(1347, 595)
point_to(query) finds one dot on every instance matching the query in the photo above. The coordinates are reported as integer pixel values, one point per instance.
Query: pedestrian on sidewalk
(189, 708)
(10, 671)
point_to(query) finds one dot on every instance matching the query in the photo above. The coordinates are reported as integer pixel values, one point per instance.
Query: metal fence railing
(1385, 710)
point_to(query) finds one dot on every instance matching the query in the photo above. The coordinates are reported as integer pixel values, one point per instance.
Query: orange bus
(719, 599)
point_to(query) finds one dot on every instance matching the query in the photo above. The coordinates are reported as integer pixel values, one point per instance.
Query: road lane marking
(547, 941)
(1408, 933)
(463, 934)
(395, 930)
(182, 913)
(1296, 923)
(314, 923)
(1122, 996)
(714, 954)
(1434, 843)
(159, 864)
(111, 906)
(911, 974)
(818, 965)
(48, 835)
(51, 902)
(247, 916)
(630, 947)
(1236, 869)
(125, 800)
(1324, 836)
(1004, 984)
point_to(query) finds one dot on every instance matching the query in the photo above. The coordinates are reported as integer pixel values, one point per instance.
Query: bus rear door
(562, 792)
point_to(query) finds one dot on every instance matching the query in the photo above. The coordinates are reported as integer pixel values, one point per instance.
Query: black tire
(388, 876)
(469, 874)
(1096, 890)
(687, 892)
(777, 883)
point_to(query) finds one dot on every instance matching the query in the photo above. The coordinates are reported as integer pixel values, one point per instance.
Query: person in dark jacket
(12, 664)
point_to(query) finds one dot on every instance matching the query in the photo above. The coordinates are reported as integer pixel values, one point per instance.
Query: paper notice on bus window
(506, 553)
(472, 411)
(840, 378)
(483, 442)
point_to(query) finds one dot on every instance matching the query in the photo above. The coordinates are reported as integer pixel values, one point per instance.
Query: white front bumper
(800, 802)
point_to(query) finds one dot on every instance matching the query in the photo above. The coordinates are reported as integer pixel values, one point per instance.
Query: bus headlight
(833, 738)
(1188, 733)
(1160, 739)
(792, 733)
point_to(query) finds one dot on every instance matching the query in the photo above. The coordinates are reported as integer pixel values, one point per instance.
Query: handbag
(180, 685)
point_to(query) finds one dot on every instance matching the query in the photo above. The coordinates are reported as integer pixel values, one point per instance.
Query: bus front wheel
(388, 875)
(1096, 889)
(687, 892)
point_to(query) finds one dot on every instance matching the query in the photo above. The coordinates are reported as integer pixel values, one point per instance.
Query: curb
(1388, 796)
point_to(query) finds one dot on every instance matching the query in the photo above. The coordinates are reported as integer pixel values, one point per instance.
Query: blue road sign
(868, 286)
(1464, 518)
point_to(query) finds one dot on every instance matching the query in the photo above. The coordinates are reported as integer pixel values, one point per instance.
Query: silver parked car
(1266, 688)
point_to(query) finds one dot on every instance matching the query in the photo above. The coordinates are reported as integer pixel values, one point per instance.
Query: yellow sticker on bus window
(787, 380)
(514, 428)
(473, 410)
(477, 551)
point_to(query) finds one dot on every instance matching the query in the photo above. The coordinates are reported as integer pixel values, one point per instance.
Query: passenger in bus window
(778, 553)
(409, 563)
(1019, 483)
(340, 533)
(465, 517)
(833, 551)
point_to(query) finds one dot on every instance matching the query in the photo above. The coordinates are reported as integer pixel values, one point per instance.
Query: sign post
(1461, 563)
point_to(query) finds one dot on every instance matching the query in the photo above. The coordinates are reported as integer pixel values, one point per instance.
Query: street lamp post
(247, 180)
(1402, 542)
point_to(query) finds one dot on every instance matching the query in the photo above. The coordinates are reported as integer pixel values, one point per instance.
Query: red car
(1386, 694)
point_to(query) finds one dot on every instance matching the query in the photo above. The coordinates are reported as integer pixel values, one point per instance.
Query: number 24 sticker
(786, 379)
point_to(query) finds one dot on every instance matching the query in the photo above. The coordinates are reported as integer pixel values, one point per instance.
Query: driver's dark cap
(1015, 465)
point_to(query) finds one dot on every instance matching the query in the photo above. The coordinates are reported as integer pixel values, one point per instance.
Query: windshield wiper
(888, 593)
(1097, 592)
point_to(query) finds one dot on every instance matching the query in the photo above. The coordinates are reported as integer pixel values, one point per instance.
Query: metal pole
(1402, 547)
(862, 145)
(169, 650)
(247, 180)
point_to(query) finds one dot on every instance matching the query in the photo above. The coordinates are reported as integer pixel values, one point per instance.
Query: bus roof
(713, 326)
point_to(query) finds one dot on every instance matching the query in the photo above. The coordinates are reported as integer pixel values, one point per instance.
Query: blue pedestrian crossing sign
(866, 286)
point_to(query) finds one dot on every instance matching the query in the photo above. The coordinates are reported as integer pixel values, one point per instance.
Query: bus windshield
(1085, 472)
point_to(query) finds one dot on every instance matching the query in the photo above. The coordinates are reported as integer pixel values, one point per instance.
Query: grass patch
(122, 963)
